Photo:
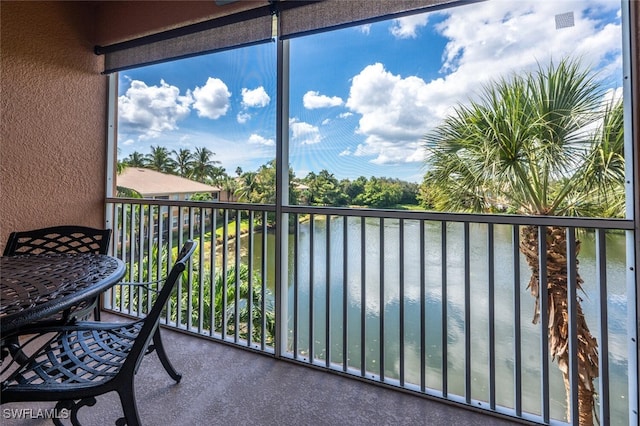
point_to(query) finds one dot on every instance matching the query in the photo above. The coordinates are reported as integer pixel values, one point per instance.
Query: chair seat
(88, 353)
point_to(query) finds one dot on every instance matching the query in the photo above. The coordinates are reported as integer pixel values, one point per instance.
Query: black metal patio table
(35, 287)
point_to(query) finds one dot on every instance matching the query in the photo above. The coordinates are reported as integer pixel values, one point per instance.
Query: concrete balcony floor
(223, 385)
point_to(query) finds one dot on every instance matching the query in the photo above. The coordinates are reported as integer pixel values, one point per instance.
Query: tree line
(513, 151)
(316, 189)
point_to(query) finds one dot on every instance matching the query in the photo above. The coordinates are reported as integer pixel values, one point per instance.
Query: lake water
(367, 275)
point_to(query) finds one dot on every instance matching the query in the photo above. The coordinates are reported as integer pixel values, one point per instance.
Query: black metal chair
(56, 239)
(71, 239)
(62, 239)
(88, 359)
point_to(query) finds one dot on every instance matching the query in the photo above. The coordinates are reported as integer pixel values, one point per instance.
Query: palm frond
(526, 142)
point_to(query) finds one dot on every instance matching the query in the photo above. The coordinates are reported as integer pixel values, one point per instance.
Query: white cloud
(345, 153)
(212, 100)
(243, 117)
(313, 100)
(255, 139)
(387, 152)
(521, 36)
(304, 133)
(150, 110)
(364, 29)
(611, 97)
(484, 42)
(256, 98)
(395, 114)
(345, 115)
(407, 26)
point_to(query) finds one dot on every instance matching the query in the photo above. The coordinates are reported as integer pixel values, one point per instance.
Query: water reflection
(377, 287)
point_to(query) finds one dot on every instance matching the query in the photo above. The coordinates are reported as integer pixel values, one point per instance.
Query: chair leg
(96, 313)
(162, 355)
(11, 345)
(96, 308)
(128, 400)
(72, 407)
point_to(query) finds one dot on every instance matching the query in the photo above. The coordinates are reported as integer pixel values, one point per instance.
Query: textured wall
(53, 117)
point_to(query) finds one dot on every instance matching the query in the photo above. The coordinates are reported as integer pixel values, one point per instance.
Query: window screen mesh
(197, 39)
(335, 13)
(296, 18)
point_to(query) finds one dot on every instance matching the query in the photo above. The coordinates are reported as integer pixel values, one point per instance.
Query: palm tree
(121, 165)
(135, 159)
(229, 186)
(123, 191)
(226, 307)
(160, 160)
(526, 144)
(604, 167)
(246, 187)
(250, 315)
(183, 161)
(204, 167)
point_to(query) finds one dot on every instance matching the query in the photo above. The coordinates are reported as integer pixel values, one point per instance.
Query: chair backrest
(151, 321)
(59, 239)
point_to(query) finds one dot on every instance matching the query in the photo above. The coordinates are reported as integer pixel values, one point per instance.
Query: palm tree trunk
(558, 315)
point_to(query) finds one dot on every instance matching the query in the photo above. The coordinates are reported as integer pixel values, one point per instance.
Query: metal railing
(147, 235)
(436, 304)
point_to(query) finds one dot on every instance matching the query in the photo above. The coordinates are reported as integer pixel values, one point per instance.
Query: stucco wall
(53, 117)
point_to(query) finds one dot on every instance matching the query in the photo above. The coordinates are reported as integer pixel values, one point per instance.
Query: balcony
(471, 353)
(475, 358)
(223, 385)
(382, 319)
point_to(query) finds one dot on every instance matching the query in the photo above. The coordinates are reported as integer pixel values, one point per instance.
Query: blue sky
(361, 98)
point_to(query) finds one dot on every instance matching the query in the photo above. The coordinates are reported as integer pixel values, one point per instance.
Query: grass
(231, 228)
(407, 207)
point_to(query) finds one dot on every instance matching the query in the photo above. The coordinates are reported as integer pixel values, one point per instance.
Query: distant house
(161, 186)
